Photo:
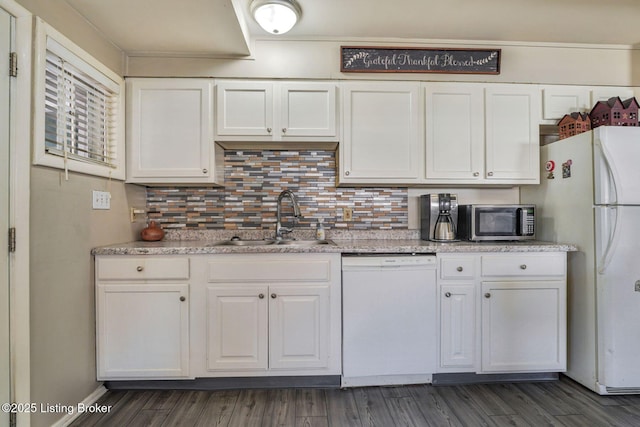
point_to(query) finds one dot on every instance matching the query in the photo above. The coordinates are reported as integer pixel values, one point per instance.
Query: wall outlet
(101, 200)
(347, 214)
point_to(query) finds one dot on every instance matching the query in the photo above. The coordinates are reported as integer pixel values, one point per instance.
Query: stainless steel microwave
(496, 222)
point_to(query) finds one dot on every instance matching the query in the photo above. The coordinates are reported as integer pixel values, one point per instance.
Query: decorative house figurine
(573, 124)
(615, 112)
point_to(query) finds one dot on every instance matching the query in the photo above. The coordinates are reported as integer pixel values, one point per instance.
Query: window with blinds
(79, 108)
(80, 113)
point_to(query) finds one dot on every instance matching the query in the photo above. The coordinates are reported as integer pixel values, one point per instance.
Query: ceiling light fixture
(276, 16)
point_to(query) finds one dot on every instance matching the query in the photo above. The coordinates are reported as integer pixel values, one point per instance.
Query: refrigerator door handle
(608, 190)
(611, 221)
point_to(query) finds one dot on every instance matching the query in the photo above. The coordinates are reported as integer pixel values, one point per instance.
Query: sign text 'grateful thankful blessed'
(419, 60)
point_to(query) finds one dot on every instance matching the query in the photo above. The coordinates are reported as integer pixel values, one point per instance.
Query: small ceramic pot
(153, 232)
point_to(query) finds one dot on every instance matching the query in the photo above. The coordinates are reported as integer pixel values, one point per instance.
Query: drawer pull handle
(183, 299)
(490, 174)
(205, 171)
(139, 268)
(448, 294)
(523, 267)
(261, 296)
(269, 130)
(476, 174)
(487, 295)
(459, 268)
(273, 296)
(284, 130)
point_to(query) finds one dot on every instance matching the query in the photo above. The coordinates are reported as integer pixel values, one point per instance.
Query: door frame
(19, 189)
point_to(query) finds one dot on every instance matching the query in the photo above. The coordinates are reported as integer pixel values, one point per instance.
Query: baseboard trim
(87, 401)
(471, 378)
(325, 381)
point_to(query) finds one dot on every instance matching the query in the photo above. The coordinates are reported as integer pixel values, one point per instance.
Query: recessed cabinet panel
(454, 131)
(245, 109)
(308, 110)
(512, 134)
(523, 326)
(457, 326)
(560, 100)
(298, 318)
(382, 142)
(170, 132)
(142, 331)
(237, 333)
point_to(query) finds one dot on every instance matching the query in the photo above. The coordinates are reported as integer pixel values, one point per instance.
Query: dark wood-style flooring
(555, 403)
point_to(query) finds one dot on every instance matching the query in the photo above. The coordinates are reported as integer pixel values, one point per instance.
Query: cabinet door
(142, 331)
(523, 326)
(244, 109)
(170, 131)
(560, 100)
(237, 328)
(454, 115)
(457, 327)
(298, 327)
(382, 139)
(512, 134)
(308, 110)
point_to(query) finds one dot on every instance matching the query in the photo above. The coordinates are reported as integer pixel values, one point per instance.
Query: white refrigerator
(593, 201)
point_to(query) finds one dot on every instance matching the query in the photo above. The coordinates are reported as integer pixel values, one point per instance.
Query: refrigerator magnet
(566, 169)
(550, 167)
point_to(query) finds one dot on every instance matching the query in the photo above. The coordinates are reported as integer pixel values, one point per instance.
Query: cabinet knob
(476, 174)
(261, 296)
(347, 173)
(284, 130)
(269, 130)
(139, 268)
(523, 267)
(460, 268)
(490, 174)
(447, 294)
(273, 296)
(183, 299)
(205, 170)
(487, 295)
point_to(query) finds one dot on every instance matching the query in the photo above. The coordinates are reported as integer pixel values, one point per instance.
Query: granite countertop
(405, 241)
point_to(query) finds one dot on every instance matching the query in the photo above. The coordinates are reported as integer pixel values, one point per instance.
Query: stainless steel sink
(244, 243)
(305, 242)
(287, 242)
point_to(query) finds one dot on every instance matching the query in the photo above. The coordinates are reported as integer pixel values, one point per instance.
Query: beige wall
(64, 228)
(65, 19)
(521, 63)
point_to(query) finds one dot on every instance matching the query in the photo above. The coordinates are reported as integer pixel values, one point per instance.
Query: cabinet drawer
(457, 268)
(142, 268)
(524, 265)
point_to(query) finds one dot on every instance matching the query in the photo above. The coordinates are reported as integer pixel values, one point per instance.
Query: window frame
(79, 58)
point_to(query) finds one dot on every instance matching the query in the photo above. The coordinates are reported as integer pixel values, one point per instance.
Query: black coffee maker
(438, 217)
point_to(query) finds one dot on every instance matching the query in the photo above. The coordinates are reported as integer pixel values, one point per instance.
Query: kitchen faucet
(280, 230)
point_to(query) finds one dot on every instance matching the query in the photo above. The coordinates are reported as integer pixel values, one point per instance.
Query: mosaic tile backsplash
(253, 181)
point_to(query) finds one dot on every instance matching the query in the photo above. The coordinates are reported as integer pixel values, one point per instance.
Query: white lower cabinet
(502, 312)
(142, 318)
(267, 327)
(267, 314)
(523, 326)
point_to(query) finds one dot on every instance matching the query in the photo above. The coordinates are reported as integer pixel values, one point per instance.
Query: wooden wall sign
(419, 60)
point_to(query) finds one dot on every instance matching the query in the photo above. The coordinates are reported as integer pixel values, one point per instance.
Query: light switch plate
(101, 200)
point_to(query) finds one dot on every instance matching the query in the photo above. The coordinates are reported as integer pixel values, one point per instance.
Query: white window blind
(81, 109)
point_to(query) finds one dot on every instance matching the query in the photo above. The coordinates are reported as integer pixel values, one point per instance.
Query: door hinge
(12, 239)
(13, 64)
(12, 419)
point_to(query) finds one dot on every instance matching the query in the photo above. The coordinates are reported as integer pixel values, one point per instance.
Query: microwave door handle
(520, 221)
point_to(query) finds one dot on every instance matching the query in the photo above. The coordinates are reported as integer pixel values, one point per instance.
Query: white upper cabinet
(560, 100)
(382, 141)
(512, 144)
(481, 134)
(268, 111)
(454, 131)
(170, 132)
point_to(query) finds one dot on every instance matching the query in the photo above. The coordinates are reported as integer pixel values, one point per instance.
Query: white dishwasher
(389, 324)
